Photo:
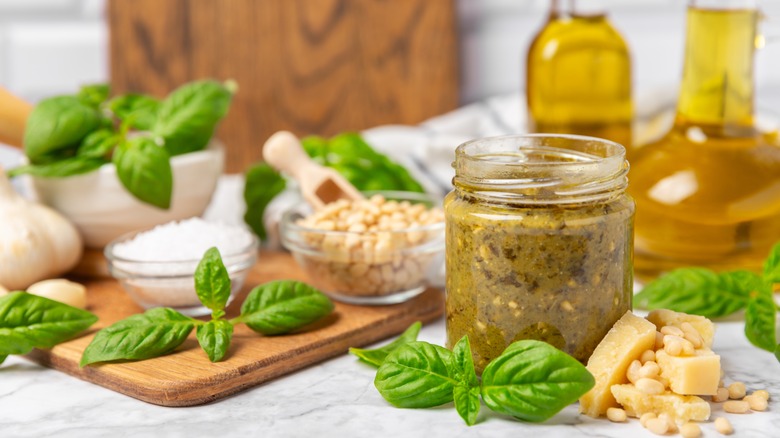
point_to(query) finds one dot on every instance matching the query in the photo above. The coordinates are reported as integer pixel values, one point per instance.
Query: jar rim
(541, 168)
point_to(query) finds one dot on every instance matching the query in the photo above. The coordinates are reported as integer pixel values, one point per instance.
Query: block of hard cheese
(625, 341)
(664, 317)
(691, 375)
(680, 408)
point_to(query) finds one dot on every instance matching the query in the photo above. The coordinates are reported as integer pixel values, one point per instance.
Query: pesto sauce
(555, 273)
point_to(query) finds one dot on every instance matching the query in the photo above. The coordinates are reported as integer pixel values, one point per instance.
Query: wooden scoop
(319, 185)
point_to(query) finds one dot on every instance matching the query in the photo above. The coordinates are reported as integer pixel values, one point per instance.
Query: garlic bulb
(36, 242)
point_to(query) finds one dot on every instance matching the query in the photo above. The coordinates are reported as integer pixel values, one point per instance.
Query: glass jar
(539, 239)
(578, 74)
(708, 192)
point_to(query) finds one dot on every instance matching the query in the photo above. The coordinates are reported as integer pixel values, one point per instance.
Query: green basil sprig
(29, 321)
(57, 126)
(703, 292)
(376, 356)
(274, 308)
(144, 169)
(531, 380)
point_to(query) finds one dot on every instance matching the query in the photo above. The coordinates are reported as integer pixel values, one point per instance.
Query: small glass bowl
(172, 283)
(346, 266)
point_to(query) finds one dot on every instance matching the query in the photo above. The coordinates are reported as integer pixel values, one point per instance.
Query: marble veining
(334, 398)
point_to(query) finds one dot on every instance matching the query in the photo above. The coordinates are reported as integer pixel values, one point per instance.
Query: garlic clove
(64, 291)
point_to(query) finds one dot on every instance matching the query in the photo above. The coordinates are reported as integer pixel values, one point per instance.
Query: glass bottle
(578, 74)
(708, 192)
(539, 234)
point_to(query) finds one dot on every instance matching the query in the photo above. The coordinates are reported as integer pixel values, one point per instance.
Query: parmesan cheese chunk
(664, 317)
(680, 408)
(691, 375)
(625, 341)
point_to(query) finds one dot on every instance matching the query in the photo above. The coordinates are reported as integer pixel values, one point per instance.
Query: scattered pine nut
(650, 370)
(761, 393)
(737, 391)
(673, 345)
(723, 426)
(721, 396)
(672, 330)
(633, 371)
(649, 386)
(690, 430)
(756, 403)
(658, 426)
(659, 340)
(672, 425)
(647, 356)
(736, 406)
(645, 417)
(616, 415)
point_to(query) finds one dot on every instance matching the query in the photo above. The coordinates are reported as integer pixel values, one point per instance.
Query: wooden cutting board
(187, 378)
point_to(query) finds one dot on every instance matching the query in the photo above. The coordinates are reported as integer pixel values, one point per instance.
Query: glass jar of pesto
(539, 239)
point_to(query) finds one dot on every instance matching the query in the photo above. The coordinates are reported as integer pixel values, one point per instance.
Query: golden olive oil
(708, 192)
(578, 77)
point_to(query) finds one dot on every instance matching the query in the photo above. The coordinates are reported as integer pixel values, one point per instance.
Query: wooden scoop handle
(13, 118)
(284, 152)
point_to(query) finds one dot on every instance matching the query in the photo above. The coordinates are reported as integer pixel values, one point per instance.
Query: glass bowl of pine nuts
(381, 250)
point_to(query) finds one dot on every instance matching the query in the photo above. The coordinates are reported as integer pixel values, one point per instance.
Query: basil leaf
(262, 185)
(98, 144)
(214, 338)
(699, 291)
(772, 265)
(60, 169)
(212, 282)
(29, 321)
(93, 95)
(187, 117)
(3, 357)
(533, 381)
(279, 307)
(145, 170)
(56, 125)
(777, 352)
(760, 320)
(417, 375)
(466, 392)
(376, 356)
(156, 332)
(137, 110)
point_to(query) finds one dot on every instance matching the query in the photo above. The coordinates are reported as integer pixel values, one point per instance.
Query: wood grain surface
(187, 378)
(308, 66)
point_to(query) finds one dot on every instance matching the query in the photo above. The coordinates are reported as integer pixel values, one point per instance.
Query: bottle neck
(580, 8)
(717, 87)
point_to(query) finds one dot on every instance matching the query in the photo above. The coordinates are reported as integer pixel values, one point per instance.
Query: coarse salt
(182, 241)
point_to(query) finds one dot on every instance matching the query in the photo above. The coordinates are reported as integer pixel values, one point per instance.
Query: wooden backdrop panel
(309, 66)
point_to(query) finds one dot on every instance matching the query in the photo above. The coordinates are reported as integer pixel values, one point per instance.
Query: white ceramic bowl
(102, 209)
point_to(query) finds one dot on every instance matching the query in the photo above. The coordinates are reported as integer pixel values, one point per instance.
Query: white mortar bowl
(102, 209)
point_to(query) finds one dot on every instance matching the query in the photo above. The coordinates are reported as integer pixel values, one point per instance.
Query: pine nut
(616, 415)
(756, 403)
(650, 370)
(723, 426)
(659, 340)
(672, 425)
(673, 345)
(672, 330)
(737, 391)
(721, 396)
(649, 386)
(633, 371)
(690, 430)
(736, 406)
(657, 426)
(645, 417)
(647, 356)
(761, 393)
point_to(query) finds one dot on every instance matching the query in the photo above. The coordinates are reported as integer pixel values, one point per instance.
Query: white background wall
(52, 46)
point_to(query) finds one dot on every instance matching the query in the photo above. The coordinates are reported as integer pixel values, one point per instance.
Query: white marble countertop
(334, 398)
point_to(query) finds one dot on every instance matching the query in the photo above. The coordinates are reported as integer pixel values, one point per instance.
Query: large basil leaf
(417, 375)
(136, 110)
(760, 320)
(699, 291)
(29, 321)
(772, 266)
(98, 144)
(279, 307)
(3, 357)
(55, 125)
(93, 95)
(156, 332)
(187, 117)
(214, 338)
(212, 282)
(466, 391)
(60, 169)
(145, 170)
(376, 356)
(262, 185)
(533, 381)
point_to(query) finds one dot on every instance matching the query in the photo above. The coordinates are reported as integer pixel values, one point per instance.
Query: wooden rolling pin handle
(284, 152)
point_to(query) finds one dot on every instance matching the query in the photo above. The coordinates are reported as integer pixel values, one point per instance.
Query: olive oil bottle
(578, 78)
(708, 192)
